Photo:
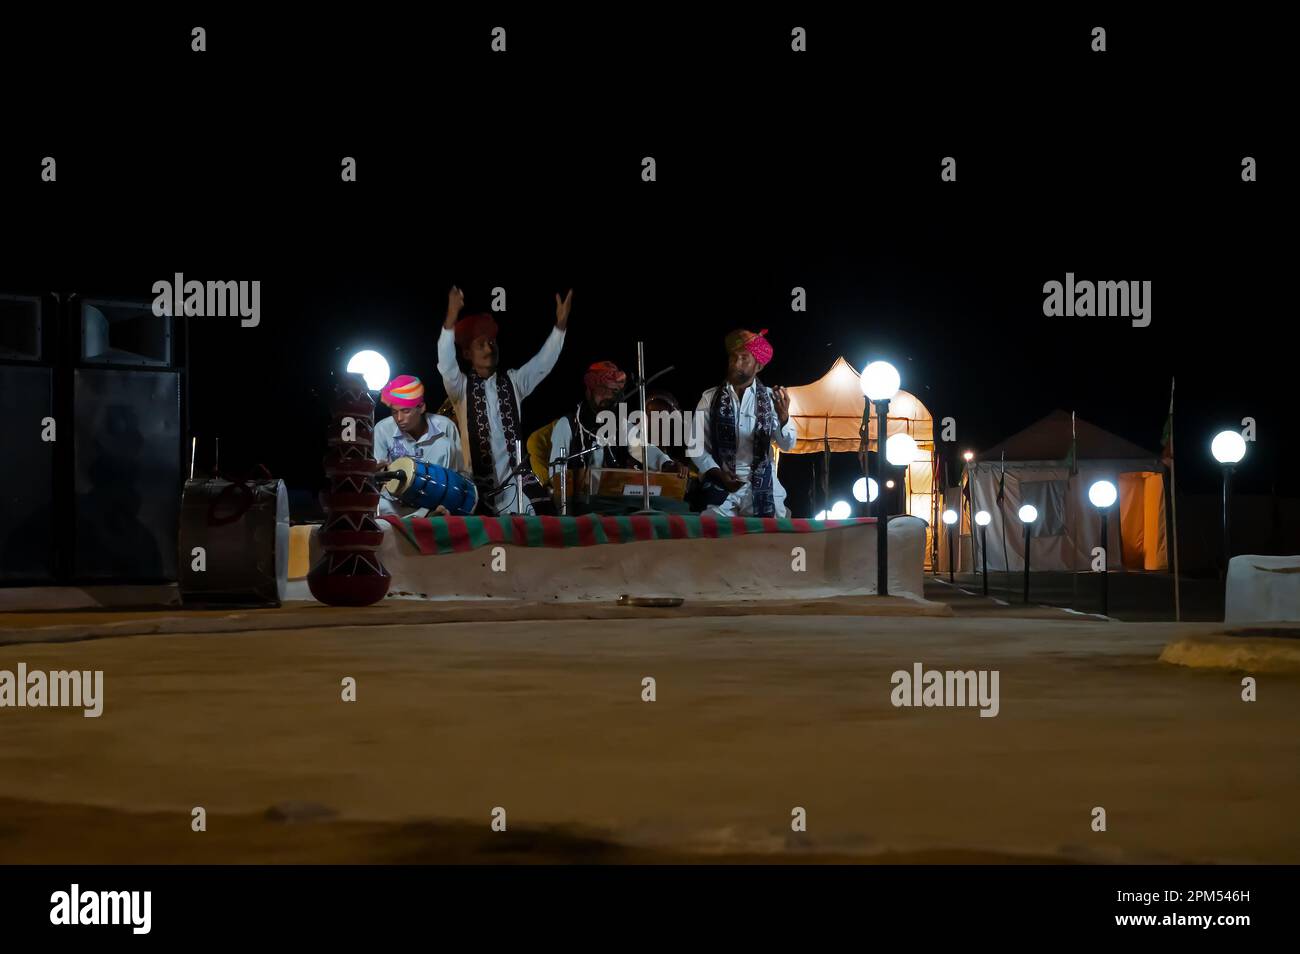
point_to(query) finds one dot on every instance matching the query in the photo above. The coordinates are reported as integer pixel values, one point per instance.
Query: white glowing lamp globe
(821, 515)
(900, 449)
(1102, 494)
(1228, 447)
(983, 518)
(865, 489)
(372, 366)
(879, 381)
(1028, 513)
(841, 510)
(950, 517)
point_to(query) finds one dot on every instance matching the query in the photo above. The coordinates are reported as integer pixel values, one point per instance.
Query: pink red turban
(755, 344)
(474, 326)
(606, 375)
(405, 390)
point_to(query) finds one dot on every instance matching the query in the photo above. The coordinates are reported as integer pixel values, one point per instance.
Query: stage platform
(599, 559)
(530, 562)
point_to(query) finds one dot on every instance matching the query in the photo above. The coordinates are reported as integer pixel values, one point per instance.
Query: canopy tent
(1068, 525)
(828, 418)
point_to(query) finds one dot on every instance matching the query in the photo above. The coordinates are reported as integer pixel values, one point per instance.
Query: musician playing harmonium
(586, 432)
(413, 432)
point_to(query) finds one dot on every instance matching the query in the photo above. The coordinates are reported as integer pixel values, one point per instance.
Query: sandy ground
(754, 716)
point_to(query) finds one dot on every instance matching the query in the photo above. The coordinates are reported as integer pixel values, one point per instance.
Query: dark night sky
(771, 174)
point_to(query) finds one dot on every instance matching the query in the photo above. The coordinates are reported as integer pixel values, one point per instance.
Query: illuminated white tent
(828, 419)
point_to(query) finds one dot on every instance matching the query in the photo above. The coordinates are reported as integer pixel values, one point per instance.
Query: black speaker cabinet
(127, 474)
(21, 326)
(123, 333)
(27, 526)
(27, 521)
(100, 501)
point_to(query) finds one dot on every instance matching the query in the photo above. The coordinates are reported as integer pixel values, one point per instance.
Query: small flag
(1167, 436)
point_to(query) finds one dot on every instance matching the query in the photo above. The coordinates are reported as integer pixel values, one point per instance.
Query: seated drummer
(413, 432)
(583, 430)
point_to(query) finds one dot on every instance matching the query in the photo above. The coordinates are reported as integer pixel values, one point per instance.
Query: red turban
(474, 326)
(755, 344)
(604, 374)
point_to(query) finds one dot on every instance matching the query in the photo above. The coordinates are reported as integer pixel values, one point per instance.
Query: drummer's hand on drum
(562, 310)
(441, 511)
(455, 302)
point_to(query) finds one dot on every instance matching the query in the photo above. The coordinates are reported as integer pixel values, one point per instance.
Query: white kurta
(740, 503)
(562, 436)
(439, 445)
(525, 381)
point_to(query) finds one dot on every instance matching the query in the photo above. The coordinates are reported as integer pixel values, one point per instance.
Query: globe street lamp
(880, 382)
(1103, 495)
(865, 489)
(950, 520)
(1228, 448)
(900, 449)
(1028, 514)
(372, 366)
(840, 510)
(982, 519)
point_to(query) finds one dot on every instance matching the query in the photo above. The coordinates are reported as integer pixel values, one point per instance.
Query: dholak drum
(234, 542)
(424, 484)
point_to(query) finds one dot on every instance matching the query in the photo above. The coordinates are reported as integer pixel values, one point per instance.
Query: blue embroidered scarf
(722, 423)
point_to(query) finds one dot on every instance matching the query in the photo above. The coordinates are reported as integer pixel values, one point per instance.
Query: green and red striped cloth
(432, 535)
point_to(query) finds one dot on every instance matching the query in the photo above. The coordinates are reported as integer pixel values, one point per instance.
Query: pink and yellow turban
(755, 344)
(405, 390)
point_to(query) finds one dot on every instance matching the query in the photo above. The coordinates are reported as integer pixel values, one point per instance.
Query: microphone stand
(645, 432)
(579, 494)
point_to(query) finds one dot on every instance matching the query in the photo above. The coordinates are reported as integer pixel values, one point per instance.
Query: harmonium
(626, 482)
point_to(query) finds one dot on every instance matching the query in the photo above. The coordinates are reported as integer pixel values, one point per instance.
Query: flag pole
(1069, 484)
(1173, 492)
(1002, 512)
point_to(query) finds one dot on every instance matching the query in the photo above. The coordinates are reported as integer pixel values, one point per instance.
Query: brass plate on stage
(620, 482)
(666, 601)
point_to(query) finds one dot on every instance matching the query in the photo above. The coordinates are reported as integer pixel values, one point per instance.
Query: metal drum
(430, 485)
(243, 530)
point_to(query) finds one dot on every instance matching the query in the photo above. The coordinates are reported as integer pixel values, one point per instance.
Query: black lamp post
(882, 505)
(1028, 514)
(1228, 448)
(950, 521)
(982, 521)
(880, 382)
(1102, 494)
